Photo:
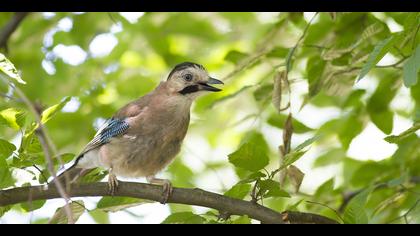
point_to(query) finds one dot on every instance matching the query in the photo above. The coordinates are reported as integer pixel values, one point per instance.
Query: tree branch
(347, 197)
(10, 27)
(186, 196)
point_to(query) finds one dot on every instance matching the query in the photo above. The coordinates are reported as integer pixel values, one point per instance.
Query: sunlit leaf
(239, 191)
(48, 113)
(60, 216)
(252, 154)
(9, 69)
(242, 220)
(31, 206)
(4, 210)
(184, 218)
(12, 117)
(100, 216)
(113, 204)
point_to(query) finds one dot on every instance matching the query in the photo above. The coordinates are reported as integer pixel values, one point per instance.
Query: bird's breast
(146, 150)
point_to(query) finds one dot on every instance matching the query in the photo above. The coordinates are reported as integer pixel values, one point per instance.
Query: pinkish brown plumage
(145, 135)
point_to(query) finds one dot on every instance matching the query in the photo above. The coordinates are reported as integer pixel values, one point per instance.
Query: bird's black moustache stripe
(189, 89)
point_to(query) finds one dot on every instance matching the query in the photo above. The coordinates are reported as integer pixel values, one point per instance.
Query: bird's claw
(167, 192)
(112, 184)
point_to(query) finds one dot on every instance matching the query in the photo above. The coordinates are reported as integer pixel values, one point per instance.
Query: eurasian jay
(145, 135)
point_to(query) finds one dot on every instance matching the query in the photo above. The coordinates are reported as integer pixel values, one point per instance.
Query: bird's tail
(71, 175)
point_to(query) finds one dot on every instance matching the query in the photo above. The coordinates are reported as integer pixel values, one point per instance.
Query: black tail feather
(71, 175)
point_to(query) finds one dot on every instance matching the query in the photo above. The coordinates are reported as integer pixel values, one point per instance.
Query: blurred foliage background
(342, 76)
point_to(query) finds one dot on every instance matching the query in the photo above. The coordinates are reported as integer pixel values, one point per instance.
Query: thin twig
(293, 50)
(405, 215)
(330, 208)
(393, 65)
(42, 173)
(415, 37)
(41, 133)
(10, 27)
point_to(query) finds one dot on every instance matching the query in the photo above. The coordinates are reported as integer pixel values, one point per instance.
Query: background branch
(186, 196)
(10, 27)
(46, 145)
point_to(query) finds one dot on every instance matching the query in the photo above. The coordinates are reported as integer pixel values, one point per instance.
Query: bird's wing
(113, 127)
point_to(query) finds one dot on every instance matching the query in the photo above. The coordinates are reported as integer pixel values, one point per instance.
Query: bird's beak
(205, 85)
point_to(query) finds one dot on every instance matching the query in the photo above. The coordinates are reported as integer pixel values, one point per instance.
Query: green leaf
(6, 148)
(314, 70)
(253, 177)
(238, 191)
(398, 181)
(113, 204)
(289, 59)
(227, 97)
(60, 217)
(383, 120)
(411, 68)
(307, 142)
(52, 110)
(271, 188)
(355, 212)
(325, 189)
(31, 206)
(100, 216)
(377, 54)
(403, 135)
(278, 120)
(4, 209)
(333, 156)
(12, 117)
(249, 157)
(242, 220)
(252, 155)
(378, 105)
(184, 218)
(9, 69)
(291, 158)
(6, 178)
(278, 52)
(263, 92)
(235, 56)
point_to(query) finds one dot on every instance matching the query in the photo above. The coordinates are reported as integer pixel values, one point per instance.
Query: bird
(145, 135)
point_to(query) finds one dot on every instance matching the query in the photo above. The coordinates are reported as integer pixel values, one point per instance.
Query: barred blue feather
(112, 128)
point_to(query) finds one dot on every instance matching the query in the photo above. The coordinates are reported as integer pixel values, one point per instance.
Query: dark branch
(186, 196)
(294, 217)
(10, 27)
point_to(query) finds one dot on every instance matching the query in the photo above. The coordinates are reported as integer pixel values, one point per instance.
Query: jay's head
(190, 80)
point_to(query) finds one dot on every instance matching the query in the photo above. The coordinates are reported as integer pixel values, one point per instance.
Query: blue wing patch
(112, 128)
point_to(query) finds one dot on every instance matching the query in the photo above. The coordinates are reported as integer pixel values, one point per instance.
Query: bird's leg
(112, 182)
(166, 184)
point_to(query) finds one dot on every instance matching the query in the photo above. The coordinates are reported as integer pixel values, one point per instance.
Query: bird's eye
(188, 77)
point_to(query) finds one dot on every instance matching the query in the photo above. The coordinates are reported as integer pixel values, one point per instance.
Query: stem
(186, 196)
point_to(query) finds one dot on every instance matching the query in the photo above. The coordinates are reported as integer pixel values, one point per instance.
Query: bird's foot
(166, 185)
(167, 191)
(112, 183)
